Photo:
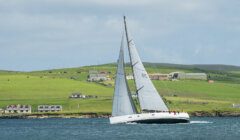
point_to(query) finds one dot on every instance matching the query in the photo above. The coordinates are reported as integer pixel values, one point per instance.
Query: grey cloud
(165, 31)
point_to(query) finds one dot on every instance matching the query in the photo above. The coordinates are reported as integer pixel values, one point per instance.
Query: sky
(47, 34)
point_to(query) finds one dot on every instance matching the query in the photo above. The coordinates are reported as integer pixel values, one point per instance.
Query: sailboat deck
(160, 117)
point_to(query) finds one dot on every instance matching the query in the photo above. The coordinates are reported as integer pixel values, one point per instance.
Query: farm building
(49, 108)
(81, 96)
(159, 76)
(18, 109)
(97, 76)
(190, 76)
(76, 95)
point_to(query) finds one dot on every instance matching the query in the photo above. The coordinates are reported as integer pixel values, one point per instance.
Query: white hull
(159, 117)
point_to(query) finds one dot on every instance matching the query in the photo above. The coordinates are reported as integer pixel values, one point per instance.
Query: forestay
(122, 101)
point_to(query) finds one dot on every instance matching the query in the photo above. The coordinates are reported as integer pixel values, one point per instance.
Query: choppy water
(80, 129)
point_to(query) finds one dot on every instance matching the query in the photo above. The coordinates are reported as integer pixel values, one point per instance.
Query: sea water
(212, 128)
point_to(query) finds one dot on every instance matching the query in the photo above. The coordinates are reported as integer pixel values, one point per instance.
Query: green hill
(224, 73)
(206, 67)
(55, 86)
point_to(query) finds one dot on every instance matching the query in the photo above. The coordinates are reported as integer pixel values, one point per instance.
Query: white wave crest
(200, 122)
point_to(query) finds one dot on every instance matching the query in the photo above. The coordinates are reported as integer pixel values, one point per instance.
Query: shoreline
(107, 115)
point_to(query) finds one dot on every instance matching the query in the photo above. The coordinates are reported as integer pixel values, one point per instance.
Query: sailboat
(152, 107)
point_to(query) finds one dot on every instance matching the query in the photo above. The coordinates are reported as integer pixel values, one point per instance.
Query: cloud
(59, 33)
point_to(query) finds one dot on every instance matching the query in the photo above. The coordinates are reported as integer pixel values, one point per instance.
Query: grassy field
(193, 95)
(25, 89)
(55, 86)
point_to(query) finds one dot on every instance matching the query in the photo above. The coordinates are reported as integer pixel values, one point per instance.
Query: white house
(18, 109)
(81, 96)
(49, 108)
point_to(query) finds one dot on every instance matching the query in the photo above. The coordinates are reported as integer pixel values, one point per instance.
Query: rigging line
(164, 84)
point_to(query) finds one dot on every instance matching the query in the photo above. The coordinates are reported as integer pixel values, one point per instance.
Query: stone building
(159, 76)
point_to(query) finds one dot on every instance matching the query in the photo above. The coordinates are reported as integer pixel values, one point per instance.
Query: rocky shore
(107, 115)
(55, 115)
(214, 114)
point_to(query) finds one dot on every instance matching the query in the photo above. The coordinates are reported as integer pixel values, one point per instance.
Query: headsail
(122, 101)
(148, 96)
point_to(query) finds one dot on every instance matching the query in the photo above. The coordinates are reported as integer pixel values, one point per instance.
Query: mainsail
(148, 96)
(122, 100)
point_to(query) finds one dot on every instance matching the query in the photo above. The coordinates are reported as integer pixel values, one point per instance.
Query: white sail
(122, 101)
(148, 96)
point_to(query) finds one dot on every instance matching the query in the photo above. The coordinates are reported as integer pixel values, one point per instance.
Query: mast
(131, 63)
(126, 32)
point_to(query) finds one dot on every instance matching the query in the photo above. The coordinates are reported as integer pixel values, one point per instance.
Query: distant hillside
(227, 73)
(7, 71)
(56, 85)
(207, 67)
